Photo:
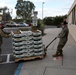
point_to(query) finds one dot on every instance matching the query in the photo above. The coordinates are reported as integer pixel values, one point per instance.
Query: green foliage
(41, 26)
(48, 20)
(18, 20)
(5, 15)
(54, 20)
(39, 23)
(24, 9)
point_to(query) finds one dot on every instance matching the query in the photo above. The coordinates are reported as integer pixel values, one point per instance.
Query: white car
(11, 24)
(22, 24)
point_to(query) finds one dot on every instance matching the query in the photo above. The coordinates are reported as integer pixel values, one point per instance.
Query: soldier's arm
(62, 34)
(3, 34)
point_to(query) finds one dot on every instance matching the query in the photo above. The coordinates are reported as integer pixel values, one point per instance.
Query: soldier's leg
(59, 51)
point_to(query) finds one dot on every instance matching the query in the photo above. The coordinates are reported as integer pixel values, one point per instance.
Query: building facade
(72, 14)
(72, 20)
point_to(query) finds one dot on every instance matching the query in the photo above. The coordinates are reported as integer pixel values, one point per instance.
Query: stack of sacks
(27, 44)
(18, 46)
(23, 44)
(38, 43)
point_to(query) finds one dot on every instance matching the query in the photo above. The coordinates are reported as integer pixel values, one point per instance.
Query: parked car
(11, 24)
(22, 24)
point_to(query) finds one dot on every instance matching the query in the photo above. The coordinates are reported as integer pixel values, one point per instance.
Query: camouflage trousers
(60, 46)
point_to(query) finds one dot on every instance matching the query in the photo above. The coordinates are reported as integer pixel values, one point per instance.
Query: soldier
(2, 34)
(63, 37)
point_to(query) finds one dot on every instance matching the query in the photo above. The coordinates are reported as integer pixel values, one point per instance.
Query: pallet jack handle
(50, 42)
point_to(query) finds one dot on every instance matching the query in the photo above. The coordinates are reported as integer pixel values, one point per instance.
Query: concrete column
(35, 18)
(70, 19)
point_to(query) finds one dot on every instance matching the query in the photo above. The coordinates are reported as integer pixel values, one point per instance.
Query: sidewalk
(48, 66)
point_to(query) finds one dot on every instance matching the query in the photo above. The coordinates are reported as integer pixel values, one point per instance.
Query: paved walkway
(48, 66)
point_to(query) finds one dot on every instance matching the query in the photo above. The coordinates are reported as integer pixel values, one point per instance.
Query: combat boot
(58, 53)
(55, 55)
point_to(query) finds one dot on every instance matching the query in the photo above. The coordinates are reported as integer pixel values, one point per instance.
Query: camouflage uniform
(63, 38)
(2, 34)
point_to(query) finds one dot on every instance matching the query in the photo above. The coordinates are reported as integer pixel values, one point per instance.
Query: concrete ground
(48, 66)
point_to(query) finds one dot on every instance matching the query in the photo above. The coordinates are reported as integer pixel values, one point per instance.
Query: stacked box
(18, 45)
(38, 44)
(27, 44)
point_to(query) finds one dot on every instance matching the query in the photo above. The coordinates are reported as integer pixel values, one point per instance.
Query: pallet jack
(56, 58)
(45, 49)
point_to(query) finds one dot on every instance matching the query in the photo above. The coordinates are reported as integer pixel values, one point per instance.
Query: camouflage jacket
(3, 34)
(63, 35)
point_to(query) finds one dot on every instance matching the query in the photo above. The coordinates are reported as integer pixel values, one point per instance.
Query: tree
(5, 15)
(56, 21)
(48, 20)
(24, 9)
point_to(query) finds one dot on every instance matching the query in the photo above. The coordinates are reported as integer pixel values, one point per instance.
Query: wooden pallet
(29, 58)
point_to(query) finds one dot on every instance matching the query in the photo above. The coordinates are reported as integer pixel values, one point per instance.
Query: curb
(17, 72)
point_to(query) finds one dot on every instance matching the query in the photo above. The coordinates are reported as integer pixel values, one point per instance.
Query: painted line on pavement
(6, 54)
(8, 58)
(17, 72)
(7, 62)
